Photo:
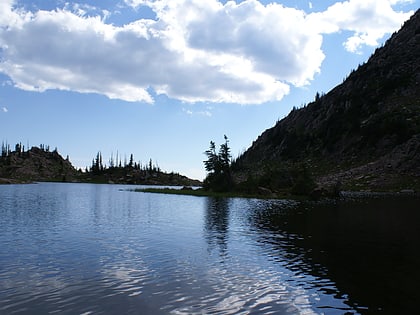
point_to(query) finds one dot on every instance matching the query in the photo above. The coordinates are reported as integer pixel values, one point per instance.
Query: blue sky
(161, 79)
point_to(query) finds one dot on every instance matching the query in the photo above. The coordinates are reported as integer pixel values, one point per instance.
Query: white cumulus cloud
(194, 51)
(368, 20)
(4, 109)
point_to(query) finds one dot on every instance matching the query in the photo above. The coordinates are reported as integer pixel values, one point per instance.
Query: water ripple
(94, 249)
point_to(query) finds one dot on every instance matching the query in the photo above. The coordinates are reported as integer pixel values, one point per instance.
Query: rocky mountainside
(365, 133)
(36, 164)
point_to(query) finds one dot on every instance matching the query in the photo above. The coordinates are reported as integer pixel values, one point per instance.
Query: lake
(101, 249)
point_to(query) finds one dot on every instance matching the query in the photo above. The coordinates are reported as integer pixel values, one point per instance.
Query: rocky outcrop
(36, 165)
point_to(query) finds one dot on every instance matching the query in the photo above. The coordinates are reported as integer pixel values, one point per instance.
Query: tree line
(20, 149)
(98, 166)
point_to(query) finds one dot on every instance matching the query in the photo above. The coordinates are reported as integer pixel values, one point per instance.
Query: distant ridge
(39, 164)
(364, 133)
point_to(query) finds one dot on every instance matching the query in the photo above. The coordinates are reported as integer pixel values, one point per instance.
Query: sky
(160, 79)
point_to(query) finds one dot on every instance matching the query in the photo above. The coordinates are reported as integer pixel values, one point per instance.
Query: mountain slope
(364, 133)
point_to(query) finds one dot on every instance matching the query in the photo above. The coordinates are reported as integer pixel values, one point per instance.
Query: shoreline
(199, 192)
(8, 181)
(343, 194)
(202, 193)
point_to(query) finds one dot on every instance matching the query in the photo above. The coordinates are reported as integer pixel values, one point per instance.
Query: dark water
(95, 249)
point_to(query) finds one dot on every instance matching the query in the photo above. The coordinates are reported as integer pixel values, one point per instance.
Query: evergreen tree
(18, 148)
(111, 160)
(130, 164)
(225, 156)
(212, 163)
(217, 166)
(5, 149)
(101, 166)
(97, 165)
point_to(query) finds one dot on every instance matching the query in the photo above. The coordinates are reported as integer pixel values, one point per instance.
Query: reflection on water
(96, 249)
(364, 252)
(217, 223)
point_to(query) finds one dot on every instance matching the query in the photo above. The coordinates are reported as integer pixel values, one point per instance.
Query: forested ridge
(363, 134)
(39, 163)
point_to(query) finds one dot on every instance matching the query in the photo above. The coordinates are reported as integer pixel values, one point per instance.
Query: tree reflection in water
(217, 224)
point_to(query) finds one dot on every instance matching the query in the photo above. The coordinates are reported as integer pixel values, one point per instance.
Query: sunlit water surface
(100, 249)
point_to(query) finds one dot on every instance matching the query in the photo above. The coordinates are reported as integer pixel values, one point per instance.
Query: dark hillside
(364, 133)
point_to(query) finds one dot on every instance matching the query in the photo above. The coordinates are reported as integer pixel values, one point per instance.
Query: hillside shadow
(366, 251)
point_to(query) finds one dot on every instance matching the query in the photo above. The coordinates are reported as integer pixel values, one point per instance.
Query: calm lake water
(100, 249)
